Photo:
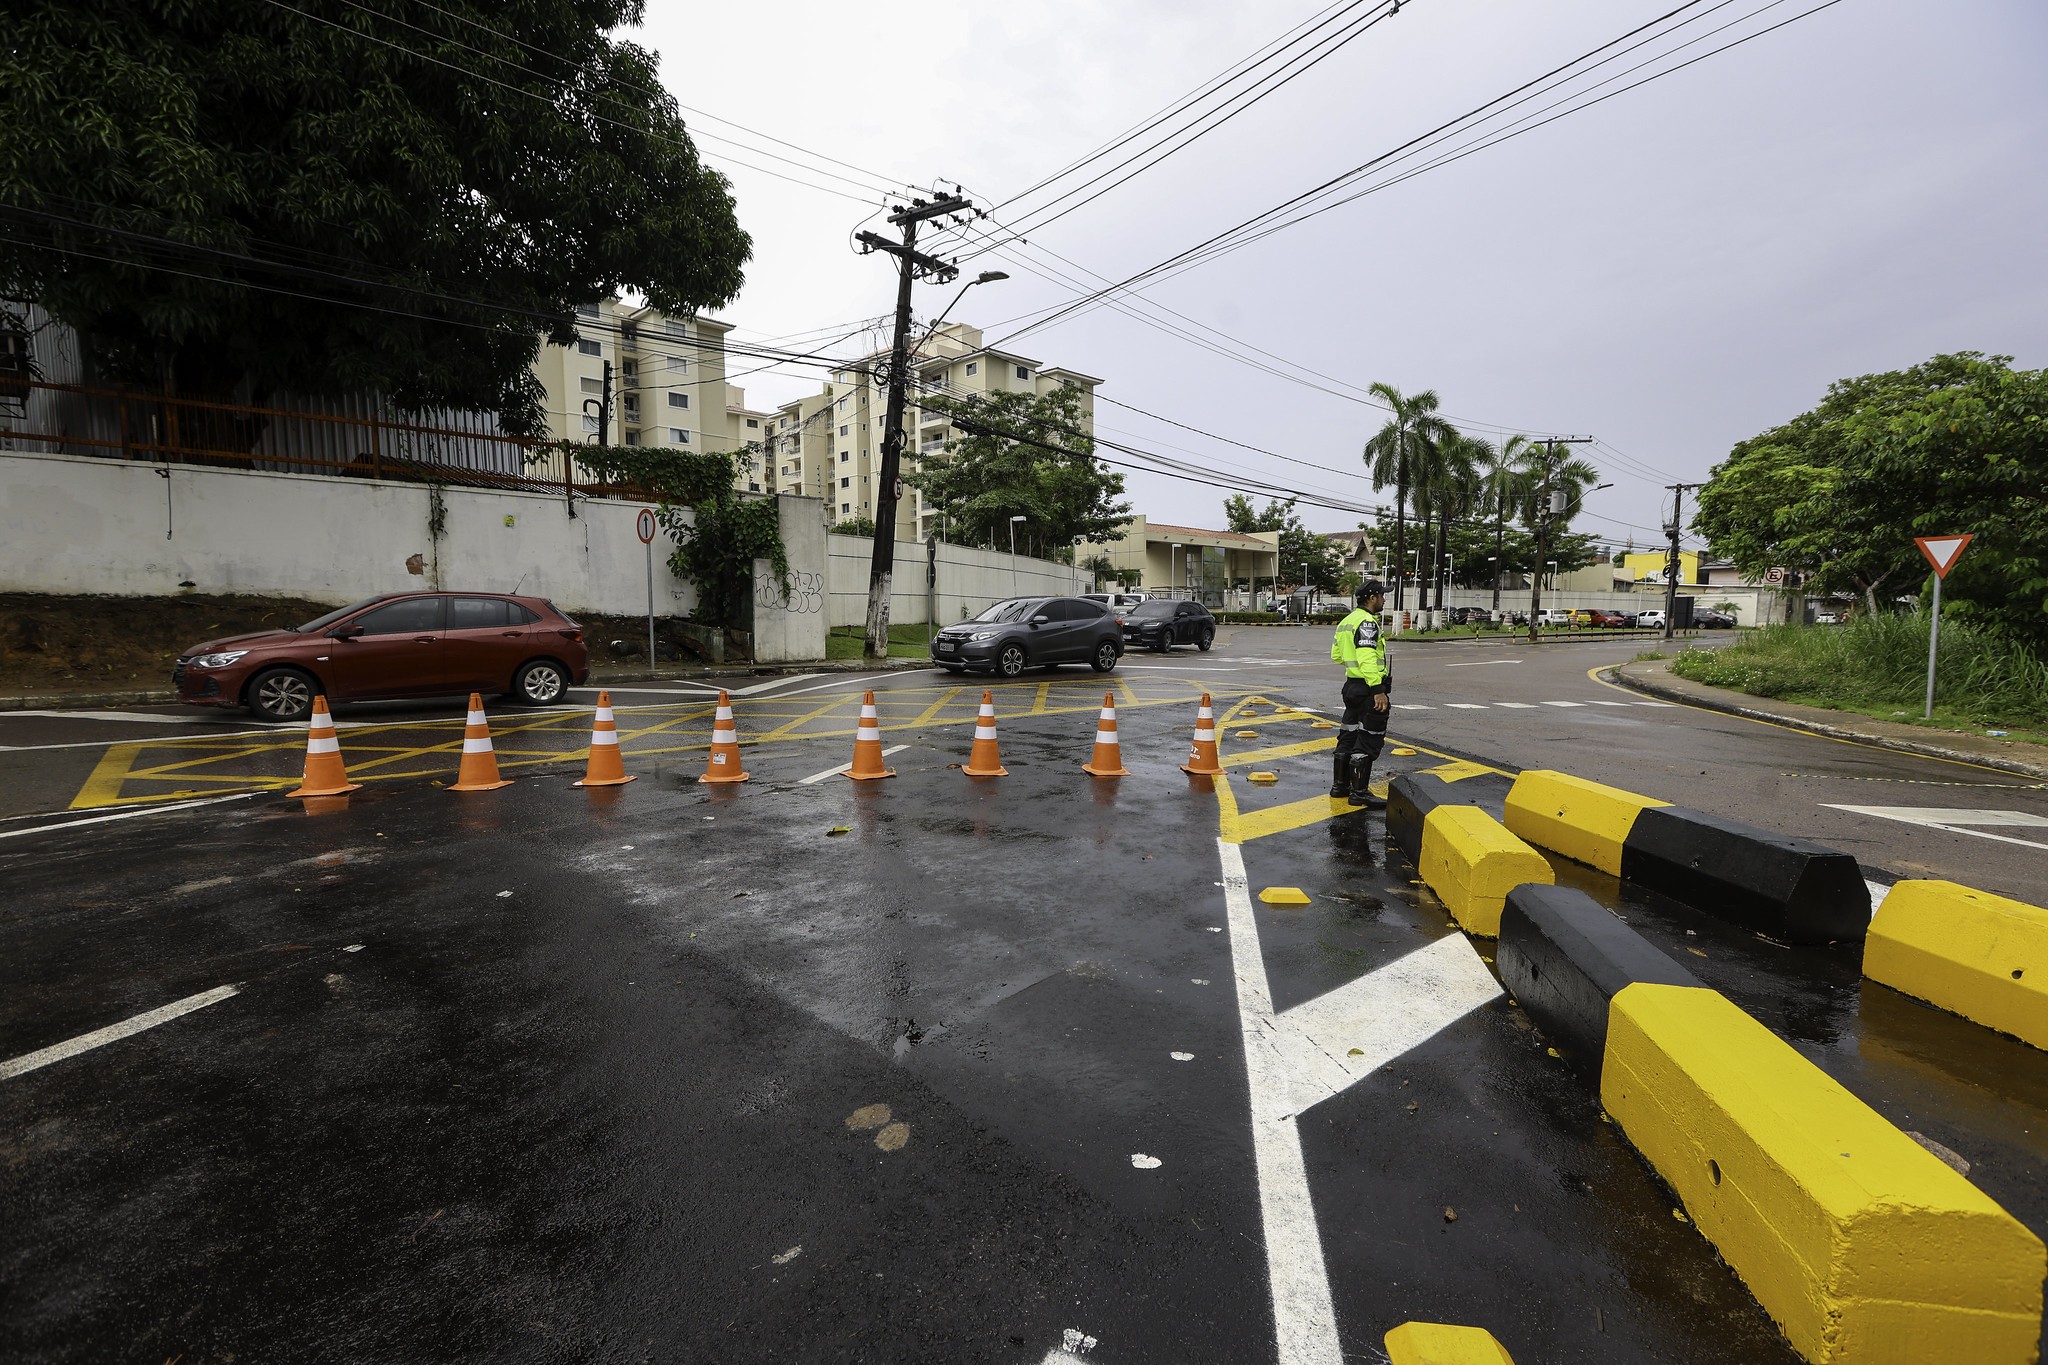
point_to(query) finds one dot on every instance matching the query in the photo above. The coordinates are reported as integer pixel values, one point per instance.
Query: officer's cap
(1372, 587)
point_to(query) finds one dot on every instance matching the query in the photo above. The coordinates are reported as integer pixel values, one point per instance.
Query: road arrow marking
(1951, 820)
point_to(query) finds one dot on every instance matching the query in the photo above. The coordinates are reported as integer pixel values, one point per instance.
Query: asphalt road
(935, 1068)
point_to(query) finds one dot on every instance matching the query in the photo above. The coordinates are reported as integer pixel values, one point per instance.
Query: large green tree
(1302, 551)
(1020, 454)
(1956, 444)
(1397, 453)
(244, 196)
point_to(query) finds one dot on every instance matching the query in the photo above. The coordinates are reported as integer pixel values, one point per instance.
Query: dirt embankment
(83, 643)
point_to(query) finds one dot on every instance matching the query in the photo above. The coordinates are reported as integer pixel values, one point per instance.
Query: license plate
(945, 646)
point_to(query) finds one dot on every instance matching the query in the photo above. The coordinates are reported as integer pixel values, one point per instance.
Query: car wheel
(1011, 661)
(540, 683)
(1208, 638)
(1165, 643)
(1106, 655)
(282, 694)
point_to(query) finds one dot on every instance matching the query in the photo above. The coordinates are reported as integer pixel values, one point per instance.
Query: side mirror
(1040, 618)
(344, 632)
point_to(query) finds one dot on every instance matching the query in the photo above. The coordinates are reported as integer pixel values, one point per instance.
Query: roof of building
(1238, 536)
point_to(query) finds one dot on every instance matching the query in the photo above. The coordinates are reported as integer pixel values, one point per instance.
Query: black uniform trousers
(1364, 727)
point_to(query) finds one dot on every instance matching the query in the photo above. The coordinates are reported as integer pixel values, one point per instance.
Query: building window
(679, 400)
(842, 431)
(677, 328)
(846, 483)
(591, 385)
(973, 367)
(677, 436)
(632, 438)
(589, 424)
(588, 310)
(676, 362)
(845, 455)
(844, 508)
(633, 406)
(842, 405)
(754, 423)
(585, 346)
(629, 335)
(753, 487)
(1023, 373)
(630, 369)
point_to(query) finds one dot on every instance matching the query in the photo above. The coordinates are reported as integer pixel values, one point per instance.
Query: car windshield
(1012, 610)
(1151, 609)
(320, 623)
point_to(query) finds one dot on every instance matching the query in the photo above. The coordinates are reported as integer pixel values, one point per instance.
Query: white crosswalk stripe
(1564, 703)
(1516, 705)
(1464, 706)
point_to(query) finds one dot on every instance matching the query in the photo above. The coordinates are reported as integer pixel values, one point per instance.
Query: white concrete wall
(71, 524)
(791, 629)
(968, 580)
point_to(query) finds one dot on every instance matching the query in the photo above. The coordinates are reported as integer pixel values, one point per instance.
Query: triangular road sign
(1943, 551)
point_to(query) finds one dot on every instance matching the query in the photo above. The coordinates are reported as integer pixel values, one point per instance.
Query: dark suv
(1024, 632)
(1158, 623)
(424, 644)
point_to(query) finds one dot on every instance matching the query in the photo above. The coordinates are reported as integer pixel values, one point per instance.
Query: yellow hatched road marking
(1307, 746)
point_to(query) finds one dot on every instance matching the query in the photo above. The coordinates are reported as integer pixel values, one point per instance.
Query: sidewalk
(2007, 755)
(59, 700)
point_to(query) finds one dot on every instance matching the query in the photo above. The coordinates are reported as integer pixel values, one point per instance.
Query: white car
(1117, 602)
(1554, 616)
(1653, 617)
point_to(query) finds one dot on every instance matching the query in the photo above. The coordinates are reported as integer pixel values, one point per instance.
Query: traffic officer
(1368, 689)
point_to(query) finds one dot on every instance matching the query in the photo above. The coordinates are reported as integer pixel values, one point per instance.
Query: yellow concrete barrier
(1471, 861)
(1434, 1343)
(1861, 1245)
(1585, 821)
(1969, 952)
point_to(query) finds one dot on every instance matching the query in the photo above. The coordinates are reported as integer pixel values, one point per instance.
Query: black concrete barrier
(1785, 888)
(1563, 956)
(1412, 796)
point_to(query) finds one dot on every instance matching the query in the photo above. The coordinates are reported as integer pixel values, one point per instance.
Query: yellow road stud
(1436, 1343)
(1284, 895)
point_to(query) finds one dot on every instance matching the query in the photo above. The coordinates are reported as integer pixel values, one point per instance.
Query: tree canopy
(1956, 445)
(1020, 454)
(243, 196)
(1299, 546)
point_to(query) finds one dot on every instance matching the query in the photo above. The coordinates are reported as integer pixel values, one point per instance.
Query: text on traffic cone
(724, 763)
(867, 744)
(1109, 759)
(987, 759)
(606, 768)
(479, 771)
(1202, 758)
(325, 773)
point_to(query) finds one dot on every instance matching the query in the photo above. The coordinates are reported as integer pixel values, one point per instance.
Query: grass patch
(1878, 666)
(905, 642)
(1649, 654)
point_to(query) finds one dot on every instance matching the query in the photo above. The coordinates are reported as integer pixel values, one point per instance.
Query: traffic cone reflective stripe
(1108, 760)
(325, 773)
(606, 768)
(1203, 760)
(867, 744)
(724, 764)
(987, 759)
(479, 771)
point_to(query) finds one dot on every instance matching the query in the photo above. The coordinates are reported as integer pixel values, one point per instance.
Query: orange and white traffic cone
(479, 771)
(724, 763)
(987, 759)
(606, 768)
(1109, 758)
(326, 774)
(867, 744)
(1203, 760)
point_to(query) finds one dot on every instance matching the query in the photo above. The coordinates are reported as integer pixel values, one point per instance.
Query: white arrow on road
(1951, 821)
(1298, 1058)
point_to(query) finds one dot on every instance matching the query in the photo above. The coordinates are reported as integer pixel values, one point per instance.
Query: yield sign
(1943, 551)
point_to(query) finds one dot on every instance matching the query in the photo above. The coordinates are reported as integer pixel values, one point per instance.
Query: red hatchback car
(414, 644)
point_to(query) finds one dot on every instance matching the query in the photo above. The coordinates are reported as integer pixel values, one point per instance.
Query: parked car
(1026, 632)
(1470, 616)
(415, 644)
(1653, 617)
(1118, 602)
(1601, 616)
(1553, 616)
(1706, 618)
(1161, 624)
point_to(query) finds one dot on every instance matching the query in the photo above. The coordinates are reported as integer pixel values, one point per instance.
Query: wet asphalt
(634, 1109)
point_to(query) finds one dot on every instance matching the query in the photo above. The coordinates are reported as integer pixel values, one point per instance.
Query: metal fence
(356, 436)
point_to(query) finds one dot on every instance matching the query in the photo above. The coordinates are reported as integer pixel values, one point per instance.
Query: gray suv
(1025, 632)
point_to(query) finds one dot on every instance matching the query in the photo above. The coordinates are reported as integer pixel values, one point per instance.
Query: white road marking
(1665, 705)
(1464, 706)
(1564, 703)
(128, 814)
(834, 772)
(1516, 705)
(1146, 1163)
(1297, 1059)
(1482, 663)
(113, 1033)
(1607, 703)
(1878, 891)
(139, 717)
(1416, 706)
(1950, 820)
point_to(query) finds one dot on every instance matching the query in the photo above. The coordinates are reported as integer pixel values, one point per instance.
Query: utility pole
(1550, 502)
(1671, 561)
(911, 265)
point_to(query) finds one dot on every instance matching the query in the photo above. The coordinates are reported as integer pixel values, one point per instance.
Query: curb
(1651, 687)
(65, 701)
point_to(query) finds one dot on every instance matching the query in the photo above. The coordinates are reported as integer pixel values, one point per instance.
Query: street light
(1013, 553)
(1551, 573)
(985, 277)
(1495, 561)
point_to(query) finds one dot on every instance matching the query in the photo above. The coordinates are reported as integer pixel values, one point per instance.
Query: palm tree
(1457, 479)
(1501, 494)
(1395, 452)
(1550, 468)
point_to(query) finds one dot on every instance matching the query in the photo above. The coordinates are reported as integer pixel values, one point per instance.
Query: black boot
(1340, 781)
(1361, 784)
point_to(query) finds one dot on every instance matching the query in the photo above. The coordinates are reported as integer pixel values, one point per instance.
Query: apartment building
(799, 448)
(668, 383)
(952, 360)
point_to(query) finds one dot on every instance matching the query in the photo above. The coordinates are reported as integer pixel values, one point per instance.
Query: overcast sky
(1676, 269)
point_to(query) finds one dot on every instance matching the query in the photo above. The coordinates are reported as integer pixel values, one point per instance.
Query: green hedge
(1250, 618)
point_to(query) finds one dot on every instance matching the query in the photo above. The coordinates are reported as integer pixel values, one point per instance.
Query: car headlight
(983, 635)
(220, 660)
